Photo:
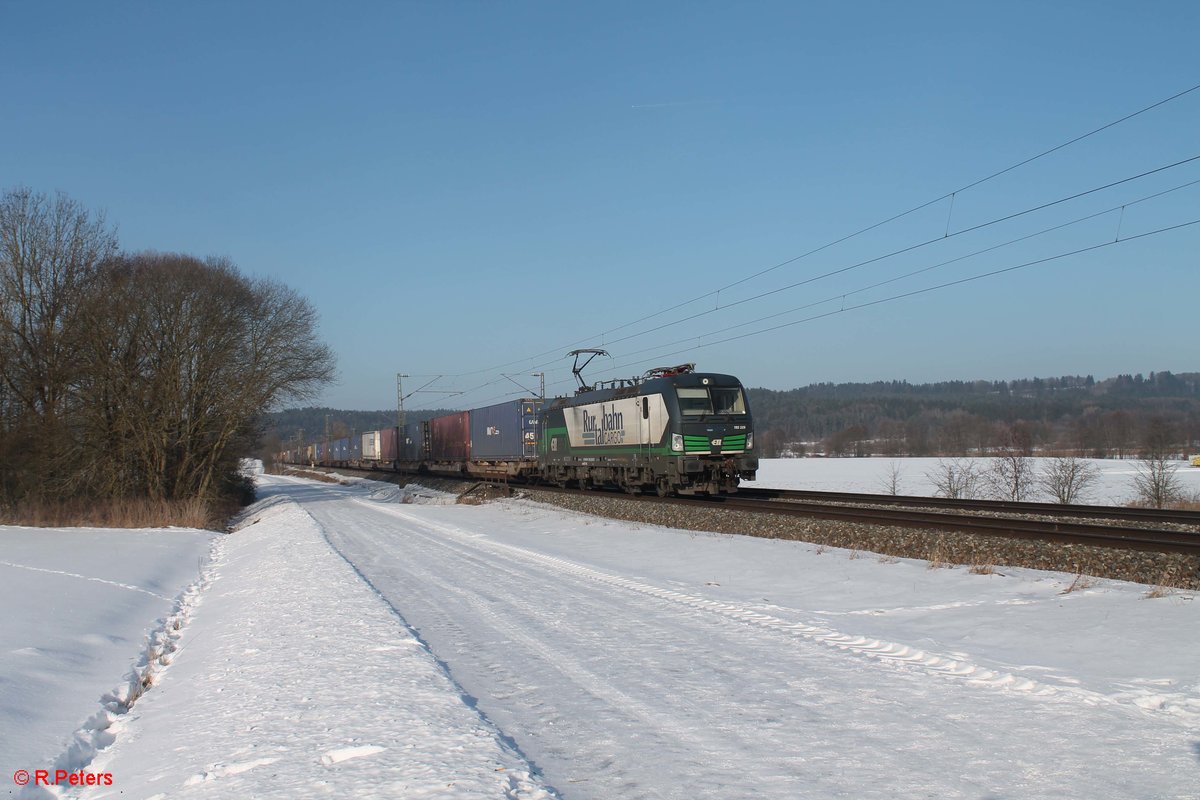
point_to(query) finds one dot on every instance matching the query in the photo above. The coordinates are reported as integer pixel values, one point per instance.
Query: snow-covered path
(619, 684)
(292, 680)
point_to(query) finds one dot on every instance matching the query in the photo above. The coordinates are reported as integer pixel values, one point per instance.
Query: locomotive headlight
(677, 442)
(750, 440)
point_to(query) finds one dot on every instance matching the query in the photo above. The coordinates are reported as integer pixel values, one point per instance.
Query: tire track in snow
(609, 695)
(518, 786)
(1176, 707)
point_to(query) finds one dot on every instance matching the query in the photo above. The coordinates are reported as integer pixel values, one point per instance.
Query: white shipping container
(371, 446)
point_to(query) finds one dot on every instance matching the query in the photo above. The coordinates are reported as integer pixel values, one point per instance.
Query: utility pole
(400, 376)
(541, 376)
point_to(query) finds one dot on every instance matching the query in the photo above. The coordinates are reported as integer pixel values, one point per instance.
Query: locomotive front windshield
(698, 401)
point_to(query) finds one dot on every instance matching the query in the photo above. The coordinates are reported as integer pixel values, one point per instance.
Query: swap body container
(370, 446)
(379, 445)
(413, 443)
(389, 440)
(450, 437)
(505, 431)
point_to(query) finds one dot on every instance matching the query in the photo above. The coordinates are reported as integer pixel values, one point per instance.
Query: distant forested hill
(1111, 417)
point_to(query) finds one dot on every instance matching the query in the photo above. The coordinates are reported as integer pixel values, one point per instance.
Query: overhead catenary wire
(926, 290)
(872, 303)
(926, 243)
(847, 237)
(843, 295)
(907, 249)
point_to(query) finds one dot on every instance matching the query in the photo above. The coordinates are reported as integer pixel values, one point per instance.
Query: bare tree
(189, 355)
(1155, 483)
(1068, 480)
(135, 375)
(956, 433)
(1118, 432)
(1159, 438)
(1011, 476)
(955, 479)
(50, 253)
(50, 250)
(769, 442)
(890, 482)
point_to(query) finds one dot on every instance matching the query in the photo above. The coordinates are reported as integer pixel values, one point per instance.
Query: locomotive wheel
(662, 488)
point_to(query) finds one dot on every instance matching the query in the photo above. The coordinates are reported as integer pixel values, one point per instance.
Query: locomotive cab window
(695, 402)
(728, 401)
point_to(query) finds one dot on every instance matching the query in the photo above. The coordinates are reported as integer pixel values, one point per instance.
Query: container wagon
(449, 442)
(504, 439)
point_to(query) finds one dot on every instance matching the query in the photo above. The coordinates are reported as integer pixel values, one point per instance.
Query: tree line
(1118, 417)
(135, 374)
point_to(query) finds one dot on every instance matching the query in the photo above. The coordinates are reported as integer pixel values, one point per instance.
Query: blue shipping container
(505, 431)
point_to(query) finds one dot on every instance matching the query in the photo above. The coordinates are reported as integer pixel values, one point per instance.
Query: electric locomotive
(673, 430)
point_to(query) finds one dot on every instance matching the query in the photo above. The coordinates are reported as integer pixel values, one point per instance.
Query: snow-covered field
(78, 605)
(1113, 487)
(366, 641)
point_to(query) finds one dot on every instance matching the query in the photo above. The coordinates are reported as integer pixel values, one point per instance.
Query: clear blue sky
(460, 186)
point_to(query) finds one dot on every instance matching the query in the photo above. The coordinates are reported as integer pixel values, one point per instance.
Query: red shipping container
(388, 441)
(450, 437)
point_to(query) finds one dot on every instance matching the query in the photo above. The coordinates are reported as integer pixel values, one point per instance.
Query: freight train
(670, 431)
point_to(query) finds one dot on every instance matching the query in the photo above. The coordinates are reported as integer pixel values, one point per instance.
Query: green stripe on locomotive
(734, 443)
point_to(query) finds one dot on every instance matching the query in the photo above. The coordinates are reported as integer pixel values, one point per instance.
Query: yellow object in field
(1196, 461)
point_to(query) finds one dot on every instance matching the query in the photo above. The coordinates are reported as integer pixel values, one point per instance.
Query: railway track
(1126, 528)
(1122, 513)
(1007, 522)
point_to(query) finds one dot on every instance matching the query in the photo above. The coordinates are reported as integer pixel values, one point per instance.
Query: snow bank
(413, 493)
(296, 679)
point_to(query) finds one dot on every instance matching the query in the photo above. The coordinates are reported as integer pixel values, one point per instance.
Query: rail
(1114, 536)
(1157, 515)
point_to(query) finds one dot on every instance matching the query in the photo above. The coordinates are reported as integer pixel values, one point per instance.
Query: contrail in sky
(677, 103)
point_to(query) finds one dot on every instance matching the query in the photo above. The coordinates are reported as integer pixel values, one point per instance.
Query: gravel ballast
(940, 548)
